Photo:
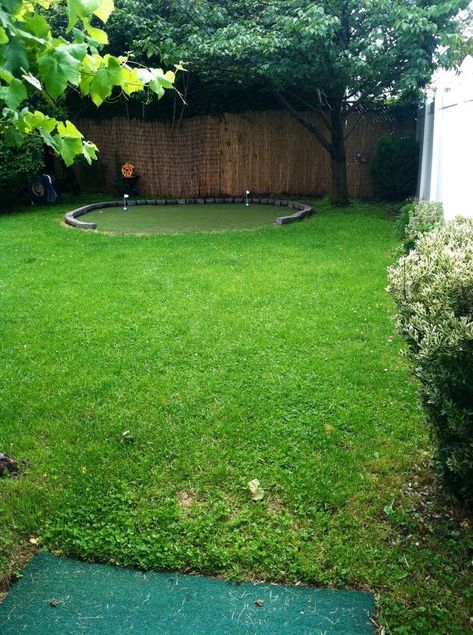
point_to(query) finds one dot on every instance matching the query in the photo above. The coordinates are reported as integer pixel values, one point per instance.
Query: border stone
(302, 211)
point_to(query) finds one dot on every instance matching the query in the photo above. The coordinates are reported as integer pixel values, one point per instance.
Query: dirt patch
(275, 505)
(186, 498)
(18, 559)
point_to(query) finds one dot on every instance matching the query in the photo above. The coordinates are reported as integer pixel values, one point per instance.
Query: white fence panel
(447, 144)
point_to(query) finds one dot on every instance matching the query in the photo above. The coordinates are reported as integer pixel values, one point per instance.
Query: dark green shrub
(394, 168)
(433, 290)
(19, 164)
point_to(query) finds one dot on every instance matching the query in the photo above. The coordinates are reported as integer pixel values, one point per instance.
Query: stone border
(301, 210)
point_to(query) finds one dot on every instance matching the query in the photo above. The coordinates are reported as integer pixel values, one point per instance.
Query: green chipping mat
(56, 596)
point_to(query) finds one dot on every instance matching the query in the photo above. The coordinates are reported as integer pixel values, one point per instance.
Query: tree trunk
(339, 191)
(338, 159)
(335, 146)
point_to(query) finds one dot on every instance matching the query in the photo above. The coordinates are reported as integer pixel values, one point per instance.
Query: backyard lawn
(145, 380)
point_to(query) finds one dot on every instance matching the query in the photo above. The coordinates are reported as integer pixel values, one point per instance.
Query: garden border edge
(302, 210)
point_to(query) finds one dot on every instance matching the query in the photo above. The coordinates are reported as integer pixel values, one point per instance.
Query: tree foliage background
(333, 57)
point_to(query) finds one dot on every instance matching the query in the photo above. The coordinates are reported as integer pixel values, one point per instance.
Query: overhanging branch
(310, 106)
(356, 121)
(304, 122)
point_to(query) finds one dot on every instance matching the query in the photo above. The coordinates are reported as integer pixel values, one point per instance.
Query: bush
(19, 164)
(423, 217)
(394, 168)
(433, 290)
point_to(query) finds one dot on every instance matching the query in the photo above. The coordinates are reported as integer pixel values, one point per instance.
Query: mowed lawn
(147, 379)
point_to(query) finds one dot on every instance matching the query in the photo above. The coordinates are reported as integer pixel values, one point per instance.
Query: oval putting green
(177, 219)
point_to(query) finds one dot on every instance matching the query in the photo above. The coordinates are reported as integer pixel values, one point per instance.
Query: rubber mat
(57, 596)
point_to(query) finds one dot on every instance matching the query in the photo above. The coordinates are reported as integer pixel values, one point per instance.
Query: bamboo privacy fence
(266, 152)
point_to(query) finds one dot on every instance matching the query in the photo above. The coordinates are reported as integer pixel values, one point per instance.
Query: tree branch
(355, 123)
(319, 111)
(304, 122)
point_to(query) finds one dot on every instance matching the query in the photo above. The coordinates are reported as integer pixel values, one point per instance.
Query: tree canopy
(37, 67)
(334, 57)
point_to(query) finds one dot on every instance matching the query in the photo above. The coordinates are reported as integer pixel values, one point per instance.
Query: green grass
(225, 357)
(177, 219)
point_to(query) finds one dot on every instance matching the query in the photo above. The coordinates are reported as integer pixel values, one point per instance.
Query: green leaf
(48, 140)
(166, 79)
(157, 87)
(13, 56)
(101, 84)
(105, 9)
(6, 75)
(68, 147)
(97, 34)
(130, 80)
(77, 50)
(78, 36)
(90, 65)
(89, 151)
(160, 81)
(37, 25)
(81, 10)
(34, 120)
(3, 36)
(14, 93)
(52, 74)
(85, 9)
(61, 66)
(11, 6)
(68, 129)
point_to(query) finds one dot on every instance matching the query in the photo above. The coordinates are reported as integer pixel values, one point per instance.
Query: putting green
(177, 219)
(56, 596)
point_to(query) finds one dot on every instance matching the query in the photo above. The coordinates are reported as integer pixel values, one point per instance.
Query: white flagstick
(125, 202)
(246, 198)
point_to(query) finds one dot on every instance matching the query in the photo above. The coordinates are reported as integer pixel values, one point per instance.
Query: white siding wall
(447, 145)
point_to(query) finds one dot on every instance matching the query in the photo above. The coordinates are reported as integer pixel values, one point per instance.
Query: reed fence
(266, 152)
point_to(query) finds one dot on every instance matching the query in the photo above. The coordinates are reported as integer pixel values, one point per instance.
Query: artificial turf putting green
(57, 596)
(178, 219)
